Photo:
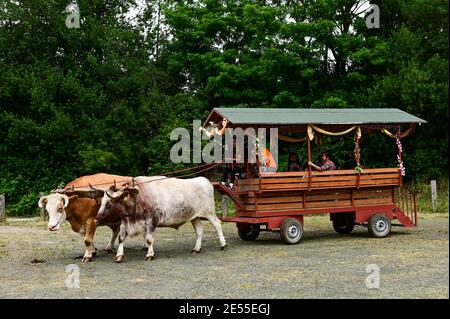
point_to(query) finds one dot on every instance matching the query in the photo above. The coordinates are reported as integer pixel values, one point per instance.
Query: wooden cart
(279, 201)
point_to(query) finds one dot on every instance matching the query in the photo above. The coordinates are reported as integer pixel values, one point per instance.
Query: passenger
(294, 163)
(327, 164)
(268, 163)
(231, 173)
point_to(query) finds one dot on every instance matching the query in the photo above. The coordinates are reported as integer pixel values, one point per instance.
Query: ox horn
(106, 192)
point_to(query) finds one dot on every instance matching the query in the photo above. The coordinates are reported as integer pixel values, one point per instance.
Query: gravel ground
(413, 263)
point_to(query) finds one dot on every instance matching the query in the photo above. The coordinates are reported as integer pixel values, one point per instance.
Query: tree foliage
(104, 97)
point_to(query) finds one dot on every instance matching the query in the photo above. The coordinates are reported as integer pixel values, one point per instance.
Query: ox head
(55, 205)
(114, 203)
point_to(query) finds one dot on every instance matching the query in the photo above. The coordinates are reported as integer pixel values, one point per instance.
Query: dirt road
(413, 263)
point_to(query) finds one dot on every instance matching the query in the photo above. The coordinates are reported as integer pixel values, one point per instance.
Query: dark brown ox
(160, 202)
(81, 212)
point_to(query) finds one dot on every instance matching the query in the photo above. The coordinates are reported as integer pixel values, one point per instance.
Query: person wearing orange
(268, 163)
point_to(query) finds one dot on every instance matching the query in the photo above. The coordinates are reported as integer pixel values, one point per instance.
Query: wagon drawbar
(278, 201)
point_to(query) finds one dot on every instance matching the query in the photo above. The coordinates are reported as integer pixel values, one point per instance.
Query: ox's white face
(112, 205)
(55, 205)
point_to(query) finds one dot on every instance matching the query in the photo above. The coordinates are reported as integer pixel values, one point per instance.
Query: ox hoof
(224, 247)
(108, 250)
(149, 258)
(119, 259)
(86, 259)
(194, 252)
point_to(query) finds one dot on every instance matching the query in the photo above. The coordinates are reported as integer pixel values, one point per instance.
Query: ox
(81, 212)
(159, 201)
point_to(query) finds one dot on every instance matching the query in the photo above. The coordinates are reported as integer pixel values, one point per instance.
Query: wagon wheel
(291, 231)
(343, 225)
(379, 226)
(248, 232)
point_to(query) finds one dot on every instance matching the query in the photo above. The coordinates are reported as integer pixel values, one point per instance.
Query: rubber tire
(248, 232)
(372, 226)
(343, 225)
(284, 231)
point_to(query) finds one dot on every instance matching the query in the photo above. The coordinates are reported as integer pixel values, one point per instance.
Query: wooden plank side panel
(378, 176)
(284, 206)
(336, 172)
(374, 201)
(335, 203)
(325, 197)
(279, 199)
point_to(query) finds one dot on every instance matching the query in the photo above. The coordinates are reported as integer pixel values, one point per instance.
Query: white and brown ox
(160, 202)
(81, 212)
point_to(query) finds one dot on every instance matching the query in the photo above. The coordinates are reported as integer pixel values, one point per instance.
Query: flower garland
(357, 152)
(257, 148)
(399, 157)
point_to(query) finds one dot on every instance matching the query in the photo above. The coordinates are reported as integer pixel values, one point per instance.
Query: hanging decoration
(399, 156)
(214, 129)
(402, 135)
(291, 139)
(357, 153)
(310, 132)
(321, 130)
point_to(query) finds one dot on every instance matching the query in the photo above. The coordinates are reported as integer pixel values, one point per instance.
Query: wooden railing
(284, 181)
(406, 200)
(315, 199)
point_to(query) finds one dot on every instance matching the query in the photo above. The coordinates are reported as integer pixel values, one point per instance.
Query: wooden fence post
(433, 195)
(42, 210)
(2, 207)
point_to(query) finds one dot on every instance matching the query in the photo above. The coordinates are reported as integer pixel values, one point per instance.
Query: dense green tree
(105, 97)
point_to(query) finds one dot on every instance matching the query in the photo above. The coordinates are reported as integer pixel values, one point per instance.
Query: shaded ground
(413, 264)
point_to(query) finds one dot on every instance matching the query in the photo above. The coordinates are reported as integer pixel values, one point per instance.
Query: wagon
(279, 201)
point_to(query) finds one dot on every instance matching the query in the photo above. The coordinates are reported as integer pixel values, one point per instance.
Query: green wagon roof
(274, 116)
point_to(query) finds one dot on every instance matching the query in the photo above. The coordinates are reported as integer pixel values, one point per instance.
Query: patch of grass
(424, 197)
(247, 286)
(27, 222)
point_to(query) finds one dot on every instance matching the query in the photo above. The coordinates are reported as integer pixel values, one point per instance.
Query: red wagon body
(279, 201)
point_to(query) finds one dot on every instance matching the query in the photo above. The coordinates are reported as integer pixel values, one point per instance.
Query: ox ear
(42, 202)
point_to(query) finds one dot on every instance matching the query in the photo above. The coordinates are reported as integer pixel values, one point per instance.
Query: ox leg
(145, 244)
(150, 240)
(198, 227)
(216, 223)
(89, 241)
(110, 247)
(122, 235)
